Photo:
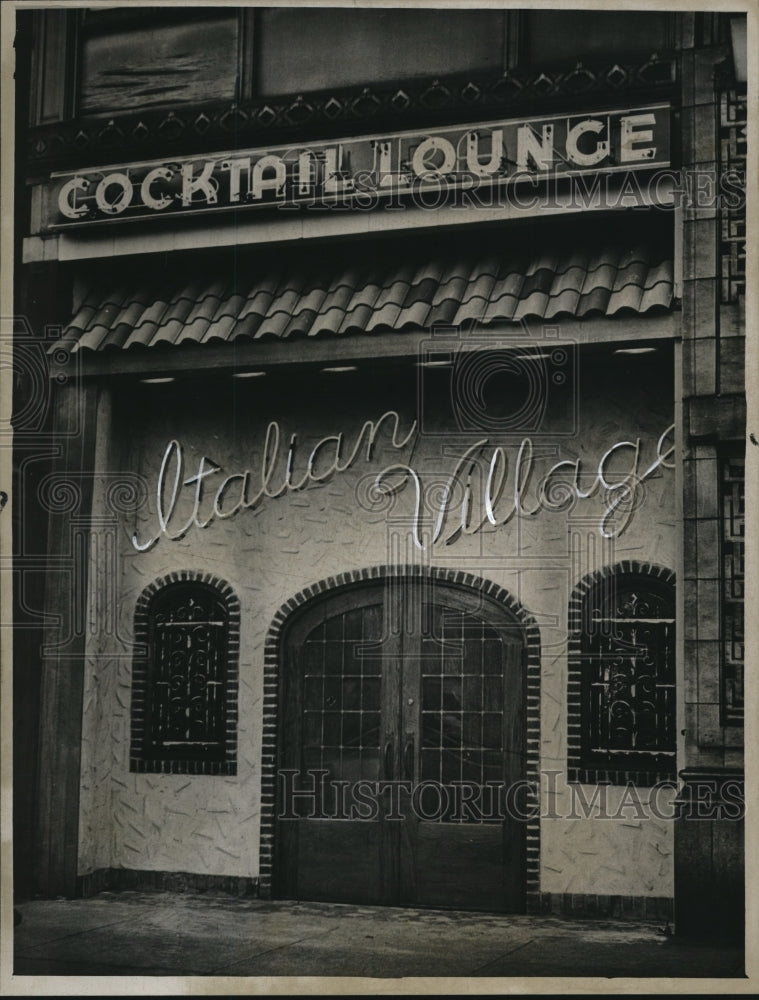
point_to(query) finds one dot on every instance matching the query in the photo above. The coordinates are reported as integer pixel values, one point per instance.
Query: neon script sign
(357, 171)
(486, 487)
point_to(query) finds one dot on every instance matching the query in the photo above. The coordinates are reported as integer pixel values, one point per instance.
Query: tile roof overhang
(384, 286)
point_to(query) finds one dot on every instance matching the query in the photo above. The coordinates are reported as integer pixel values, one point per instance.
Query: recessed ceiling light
(248, 374)
(341, 368)
(635, 350)
(435, 364)
(157, 381)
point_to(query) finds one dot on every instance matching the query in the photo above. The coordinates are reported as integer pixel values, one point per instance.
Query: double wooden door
(401, 748)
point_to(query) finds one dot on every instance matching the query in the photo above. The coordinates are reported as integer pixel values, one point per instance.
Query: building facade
(382, 527)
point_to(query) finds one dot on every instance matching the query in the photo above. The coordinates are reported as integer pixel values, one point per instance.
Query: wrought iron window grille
(622, 679)
(184, 686)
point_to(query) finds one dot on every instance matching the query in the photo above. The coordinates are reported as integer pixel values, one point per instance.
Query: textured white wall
(210, 824)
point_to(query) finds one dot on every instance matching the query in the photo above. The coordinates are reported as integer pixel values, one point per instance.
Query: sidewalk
(161, 934)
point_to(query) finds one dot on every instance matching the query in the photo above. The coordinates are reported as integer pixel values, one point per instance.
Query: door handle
(408, 759)
(388, 760)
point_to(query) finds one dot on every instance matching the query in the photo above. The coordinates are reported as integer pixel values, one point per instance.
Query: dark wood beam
(63, 650)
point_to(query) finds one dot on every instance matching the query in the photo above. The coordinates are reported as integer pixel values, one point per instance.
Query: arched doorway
(401, 738)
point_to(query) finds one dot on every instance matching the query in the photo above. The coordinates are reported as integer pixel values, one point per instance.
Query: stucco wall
(210, 824)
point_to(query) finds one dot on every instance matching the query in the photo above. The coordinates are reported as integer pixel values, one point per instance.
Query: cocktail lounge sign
(357, 172)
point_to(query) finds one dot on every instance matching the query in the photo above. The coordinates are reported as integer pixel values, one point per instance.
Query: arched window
(622, 678)
(184, 685)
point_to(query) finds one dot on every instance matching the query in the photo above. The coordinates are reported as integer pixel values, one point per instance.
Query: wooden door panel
(391, 683)
(462, 711)
(337, 682)
(342, 862)
(460, 866)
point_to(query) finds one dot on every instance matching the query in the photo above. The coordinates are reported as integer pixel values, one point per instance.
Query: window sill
(139, 766)
(620, 776)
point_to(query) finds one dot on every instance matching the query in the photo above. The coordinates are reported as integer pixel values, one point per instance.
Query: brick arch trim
(137, 760)
(377, 574)
(576, 772)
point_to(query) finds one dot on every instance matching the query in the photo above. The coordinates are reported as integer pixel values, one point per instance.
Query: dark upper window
(142, 57)
(184, 690)
(564, 37)
(101, 61)
(311, 49)
(625, 670)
